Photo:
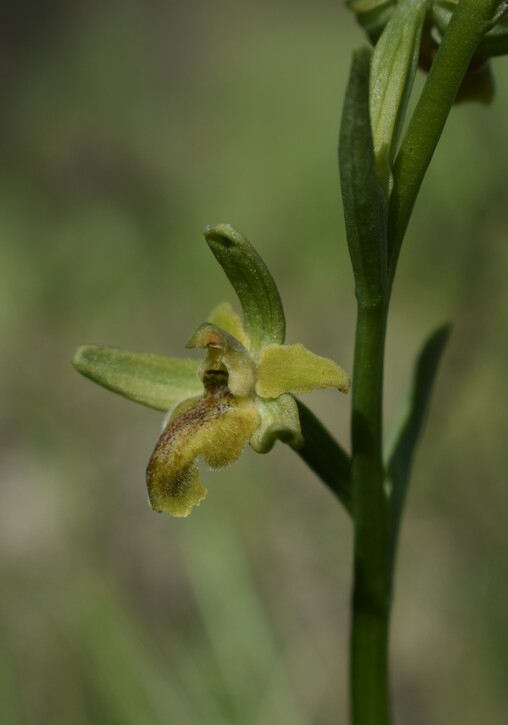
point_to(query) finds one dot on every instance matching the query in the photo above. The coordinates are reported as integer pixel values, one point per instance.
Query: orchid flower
(241, 393)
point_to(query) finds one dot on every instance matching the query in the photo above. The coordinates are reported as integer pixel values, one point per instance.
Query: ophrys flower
(241, 393)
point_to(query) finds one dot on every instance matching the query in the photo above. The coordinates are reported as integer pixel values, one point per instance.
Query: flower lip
(214, 427)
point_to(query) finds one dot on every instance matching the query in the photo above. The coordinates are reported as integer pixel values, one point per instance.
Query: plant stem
(370, 697)
(373, 560)
(372, 572)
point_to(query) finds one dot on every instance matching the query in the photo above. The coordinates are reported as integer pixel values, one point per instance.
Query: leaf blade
(364, 201)
(402, 448)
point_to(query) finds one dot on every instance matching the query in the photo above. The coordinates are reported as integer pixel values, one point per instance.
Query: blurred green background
(125, 128)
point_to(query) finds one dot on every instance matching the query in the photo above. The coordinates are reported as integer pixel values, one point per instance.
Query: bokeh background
(125, 128)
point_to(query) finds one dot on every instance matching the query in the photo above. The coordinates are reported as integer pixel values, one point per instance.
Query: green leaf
(362, 195)
(325, 456)
(406, 434)
(158, 382)
(253, 283)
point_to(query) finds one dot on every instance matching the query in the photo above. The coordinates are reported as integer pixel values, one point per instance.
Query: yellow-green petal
(226, 353)
(279, 419)
(214, 427)
(225, 317)
(159, 382)
(293, 368)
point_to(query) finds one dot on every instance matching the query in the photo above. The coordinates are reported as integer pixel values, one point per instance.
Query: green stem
(372, 573)
(373, 563)
(468, 25)
(370, 697)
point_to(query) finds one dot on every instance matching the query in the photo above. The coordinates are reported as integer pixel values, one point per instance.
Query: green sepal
(393, 69)
(402, 442)
(365, 205)
(279, 420)
(325, 456)
(158, 382)
(253, 283)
